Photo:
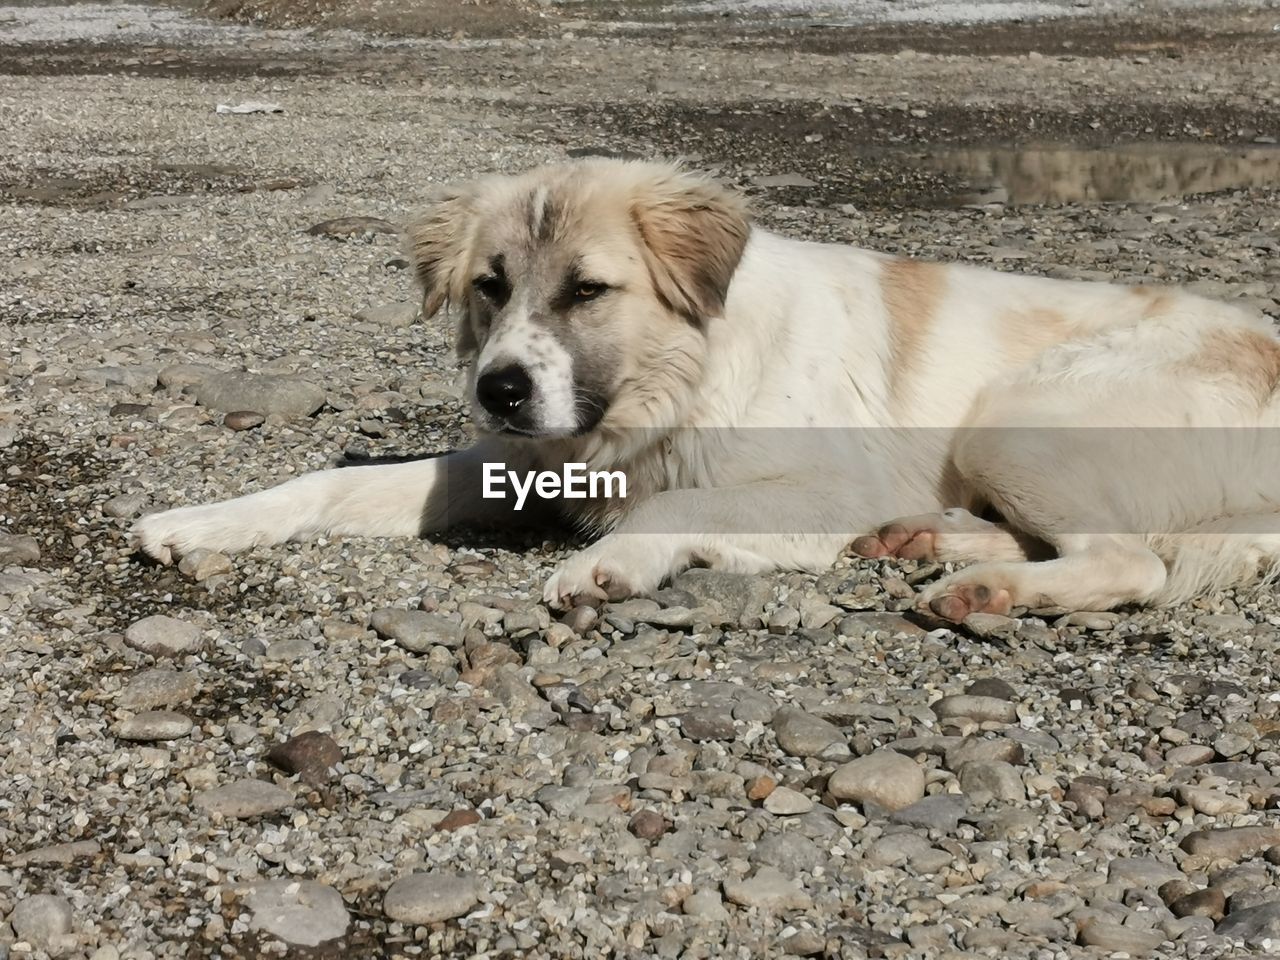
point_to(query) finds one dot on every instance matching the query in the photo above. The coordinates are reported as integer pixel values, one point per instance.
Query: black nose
(503, 392)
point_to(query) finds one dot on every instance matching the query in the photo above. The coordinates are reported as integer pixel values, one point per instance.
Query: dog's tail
(1221, 553)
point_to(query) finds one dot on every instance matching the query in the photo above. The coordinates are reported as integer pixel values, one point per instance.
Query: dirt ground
(146, 239)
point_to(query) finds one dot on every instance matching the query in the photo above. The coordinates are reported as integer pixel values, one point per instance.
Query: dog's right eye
(491, 287)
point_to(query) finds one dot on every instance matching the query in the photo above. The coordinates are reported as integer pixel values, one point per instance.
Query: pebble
(433, 897)
(983, 781)
(941, 812)
(981, 709)
(42, 920)
(19, 550)
(299, 912)
(786, 802)
(1116, 938)
(124, 506)
(243, 799)
(62, 854)
(705, 904)
(768, 890)
(163, 636)
(648, 825)
(416, 630)
(1190, 754)
(312, 755)
(708, 723)
(887, 779)
(260, 393)
(341, 228)
(200, 564)
(1212, 803)
(400, 314)
(801, 734)
(159, 687)
(154, 725)
(1231, 843)
(240, 420)
(1253, 924)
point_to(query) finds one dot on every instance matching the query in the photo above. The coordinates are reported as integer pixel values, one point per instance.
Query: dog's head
(577, 285)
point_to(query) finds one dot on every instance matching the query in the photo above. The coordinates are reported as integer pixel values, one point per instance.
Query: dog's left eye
(588, 290)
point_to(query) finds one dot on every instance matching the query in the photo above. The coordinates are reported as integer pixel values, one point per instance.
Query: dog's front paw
(168, 535)
(619, 566)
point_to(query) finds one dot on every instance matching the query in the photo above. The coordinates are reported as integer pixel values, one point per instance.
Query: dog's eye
(588, 290)
(492, 287)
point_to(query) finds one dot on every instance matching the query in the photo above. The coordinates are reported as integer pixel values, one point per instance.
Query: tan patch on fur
(1247, 357)
(1025, 334)
(911, 291)
(1155, 300)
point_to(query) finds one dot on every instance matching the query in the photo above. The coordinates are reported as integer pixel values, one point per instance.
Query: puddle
(1141, 173)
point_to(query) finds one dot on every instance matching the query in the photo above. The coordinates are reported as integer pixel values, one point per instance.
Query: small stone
(457, 819)
(290, 648)
(783, 180)
(769, 890)
(157, 688)
(1112, 936)
(804, 943)
(240, 420)
(300, 912)
(705, 905)
(422, 898)
(416, 630)
(760, 787)
(154, 725)
(941, 812)
(801, 734)
(1089, 794)
(244, 799)
(18, 550)
(1209, 902)
(785, 802)
(885, 778)
(311, 755)
(124, 506)
(42, 919)
(991, 687)
(1190, 754)
(201, 564)
(1230, 843)
(1141, 872)
(163, 636)
(982, 781)
(1212, 803)
(62, 854)
(1253, 924)
(260, 393)
(399, 314)
(648, 825)
(981, 709)
(708, 723)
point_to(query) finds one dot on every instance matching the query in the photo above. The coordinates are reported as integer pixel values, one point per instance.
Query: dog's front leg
(752, 528)
(381, 500)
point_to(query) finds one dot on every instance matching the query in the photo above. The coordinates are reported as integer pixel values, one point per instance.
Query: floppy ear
(694, 232)
(439, 243)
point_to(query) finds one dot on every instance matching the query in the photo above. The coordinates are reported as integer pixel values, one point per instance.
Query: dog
(773, 403)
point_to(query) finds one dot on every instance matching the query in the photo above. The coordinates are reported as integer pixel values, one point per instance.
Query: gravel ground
(387, 748)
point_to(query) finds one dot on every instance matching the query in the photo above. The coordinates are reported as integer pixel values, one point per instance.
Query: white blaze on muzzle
(520, 341)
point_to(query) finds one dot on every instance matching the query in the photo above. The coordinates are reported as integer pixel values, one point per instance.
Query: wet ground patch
(875, 157)
(137, 187)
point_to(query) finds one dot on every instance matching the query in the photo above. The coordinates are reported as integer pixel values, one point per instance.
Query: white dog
(768, 400)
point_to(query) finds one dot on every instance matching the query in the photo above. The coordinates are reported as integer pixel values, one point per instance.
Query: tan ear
(694, 232)
(439, 240)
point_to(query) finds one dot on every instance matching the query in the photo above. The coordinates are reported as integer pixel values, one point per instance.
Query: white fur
(806, 341)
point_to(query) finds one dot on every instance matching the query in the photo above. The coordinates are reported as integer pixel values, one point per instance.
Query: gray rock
(430, 897)
(416, 630)
(801, 734)
(982, 709)
(1116, 938)
(768, 890)
(886, 778)
(157, 688)
(300, 912)
(154, 725)
(708, 723)
(1142, 872)
(863, 625)
(62, 854)
(341, 228)
(163, 636)
(984, 780)
(260, 393)
(1231, 843)
(1253, 924)
(42, 919)
(785, 802)
(783, 180)
(790, 852)
(705, 904)
(940, 812)
(562, 801)
(125, 505)
(290, 648)
(19, 550)
(741, 597)
(178, 376)
(399, 314)
(200, 564)
(244, 799)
